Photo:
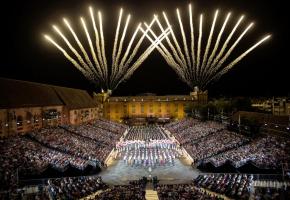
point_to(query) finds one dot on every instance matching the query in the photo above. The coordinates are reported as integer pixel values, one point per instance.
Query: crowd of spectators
(271, 193)
(110, 125)
(213, 144)
(27, 193)
(22, 155)
(237, 186)
(184, 192)
(204, 139)
(180, 125)
(64, 141)
(56, 147)
(135, 190)
(99, 135)
(75, 187)
(191, 130)
(210, 142)
(267, 152)
(73, 144)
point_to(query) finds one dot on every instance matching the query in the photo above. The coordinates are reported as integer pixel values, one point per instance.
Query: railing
(257, 177)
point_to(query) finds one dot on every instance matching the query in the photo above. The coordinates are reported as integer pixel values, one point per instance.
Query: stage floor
(119, 173)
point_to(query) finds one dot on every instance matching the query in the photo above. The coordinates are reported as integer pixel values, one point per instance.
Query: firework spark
(97, 70)
(199, 65)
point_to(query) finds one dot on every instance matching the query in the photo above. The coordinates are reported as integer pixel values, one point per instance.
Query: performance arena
(113, 139)
(58, 146)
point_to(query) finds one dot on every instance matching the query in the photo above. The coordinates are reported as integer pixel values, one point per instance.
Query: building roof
(15, 94)
(74, 98)
(153, 98)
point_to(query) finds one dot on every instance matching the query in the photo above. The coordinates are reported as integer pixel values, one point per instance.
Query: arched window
(19, 120)
(28, 116)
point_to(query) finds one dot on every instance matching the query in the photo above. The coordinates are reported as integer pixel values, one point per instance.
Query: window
(125, 108)
(176, 107)
(19, 120)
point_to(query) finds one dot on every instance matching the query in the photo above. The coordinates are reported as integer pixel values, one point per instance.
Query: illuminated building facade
(150, 106)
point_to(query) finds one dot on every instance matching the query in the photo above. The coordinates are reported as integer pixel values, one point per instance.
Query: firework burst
(196, 63)
(93, 63)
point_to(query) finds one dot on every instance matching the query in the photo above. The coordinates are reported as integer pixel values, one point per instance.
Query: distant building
(279, 106)
(26, 106)
(149, 106)
(266, 121)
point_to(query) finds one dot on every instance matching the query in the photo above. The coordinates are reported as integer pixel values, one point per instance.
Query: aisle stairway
(151, 195)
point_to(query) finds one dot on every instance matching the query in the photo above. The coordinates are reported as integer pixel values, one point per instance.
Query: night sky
(25, 55)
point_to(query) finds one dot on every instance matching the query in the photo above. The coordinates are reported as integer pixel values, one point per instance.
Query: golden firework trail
(200, 62)
(125, 66)
(92, 63)
(238, 59)
(73, 61)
